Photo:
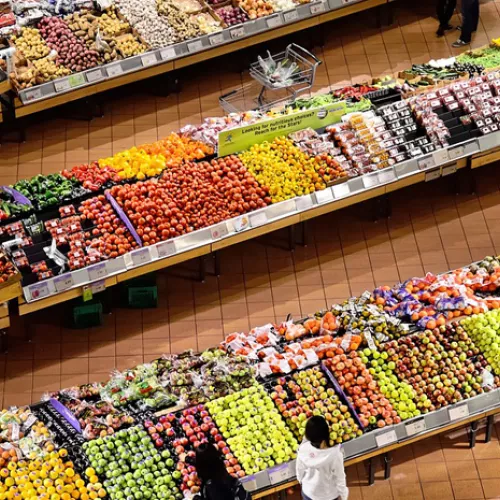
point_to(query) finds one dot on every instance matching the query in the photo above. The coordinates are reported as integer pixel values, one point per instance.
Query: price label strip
(241, 223)
(77, 80)
(291, 16)
(115, 70)
(318, 8)
(98, 286)
(195, 46)
(64, 282)
(458, 412)
(95, 75)
(220, 231)
(237, 32)
(148, 59)
(216, 39)
(323, 196)
(258, 219)
(33, 95)
(433, 175)
(415, 427)
(304, 203)
(140, 257)
(97, 271)
(456, 152)
(166, 249)
(279, 474)
(386, 176)
(249, 483)
(341, 190)
(39, 291)
(425, 163)
(168, 53)
(274, 22)
(370, 181)
(450, 169)
(62, 85)
(386, 438)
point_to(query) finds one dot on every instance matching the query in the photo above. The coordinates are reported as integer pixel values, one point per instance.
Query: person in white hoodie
(320, 468)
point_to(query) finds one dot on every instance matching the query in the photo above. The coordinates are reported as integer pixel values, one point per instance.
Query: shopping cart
(279, 78)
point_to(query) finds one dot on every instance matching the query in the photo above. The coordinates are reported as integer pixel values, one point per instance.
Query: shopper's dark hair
(210, 465)
(317, 431)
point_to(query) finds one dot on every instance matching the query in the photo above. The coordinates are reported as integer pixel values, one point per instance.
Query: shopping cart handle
(310, 54)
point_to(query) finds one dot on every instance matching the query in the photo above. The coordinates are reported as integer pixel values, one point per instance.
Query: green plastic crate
(87, 315)
(142, 297)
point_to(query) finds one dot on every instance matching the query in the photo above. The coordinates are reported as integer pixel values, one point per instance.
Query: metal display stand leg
(489, 428)
(291, 238)
(304, 233)
(10, 125)
(202, 269)
(371, 471)
(473, 433)
(387, 459)
(4, 341)
(217, 264)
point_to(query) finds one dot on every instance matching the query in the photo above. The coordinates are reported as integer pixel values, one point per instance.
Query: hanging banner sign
(241, 138)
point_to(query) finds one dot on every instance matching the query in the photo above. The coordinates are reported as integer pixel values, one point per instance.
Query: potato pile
(71, 50)
(86, 26)
(129, 46)
(111, 25)
(24, 75)
(48, 70)
(31, 44)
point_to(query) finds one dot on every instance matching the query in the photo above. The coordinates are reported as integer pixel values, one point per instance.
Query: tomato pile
(190, 197)
(109, 236)
(92, 176)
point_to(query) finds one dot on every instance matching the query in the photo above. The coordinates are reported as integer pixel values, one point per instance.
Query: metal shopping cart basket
(279, 79)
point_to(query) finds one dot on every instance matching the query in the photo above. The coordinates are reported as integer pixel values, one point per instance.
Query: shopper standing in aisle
(216, 482)
(445, 9)
(470, 20)
(320, 468)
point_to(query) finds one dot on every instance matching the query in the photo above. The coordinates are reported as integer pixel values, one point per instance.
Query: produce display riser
(257, 31)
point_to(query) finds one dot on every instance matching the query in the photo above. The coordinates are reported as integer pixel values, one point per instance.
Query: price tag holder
(440, 156)
(341, 190)
(249, 483)
(195, 46)
(425, 163)
(458, 412)
(258, 219)
(97, 271)
(33, 95)
(216, 39)
(95, 75)
(323, 196)
(279, 474)
(98, 286)
(304, 203)
(149, 59)
(456, 152)
(115, 70)
(241, 223)
(370, 181)
(63, 282)
(39, 290)
(318, 8)
(219, 231)
(168, 53)
(386, 176)
(62, 85)
(274, 22)
(77, 80)
(450, 169)
(166, 249)
(386, 438)
(237, 32)
(415, 427)
(291, 16)
(433, 175)
(140, 257)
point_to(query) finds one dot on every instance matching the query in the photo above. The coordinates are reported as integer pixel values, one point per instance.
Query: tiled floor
(431, 230)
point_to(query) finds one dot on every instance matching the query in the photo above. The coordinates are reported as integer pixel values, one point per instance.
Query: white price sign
(240, 223)
(141, 256)
(216, 39)
(441, 156)
(450, 169)
(33, 95)
(166, 249)
(386, 176)
(98, 286)
(95, 75)
(195, 46)
(62, 85)
(237, 32)
(64, 282)
(370, 180)
(456, 152)
(323, 196)
(304, 202)
(425, 163)
(97, 271)
(458, 412)
(149, 59)
(433, 175)
(168, 53)
(279, 474)
(219, 231)
(291, 16)
(341, 190)
(39, 290)
(415, 427)
(274, 22)
(249, 483)
(77, 80)
(318, 8)
(386, 438)
(258, 219)
(115, 70)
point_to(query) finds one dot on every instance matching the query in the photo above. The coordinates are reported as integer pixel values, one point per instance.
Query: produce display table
(185, 54)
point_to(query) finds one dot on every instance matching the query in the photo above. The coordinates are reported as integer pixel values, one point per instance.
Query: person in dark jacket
(216, 482)
(470, 20)
(445, 9)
